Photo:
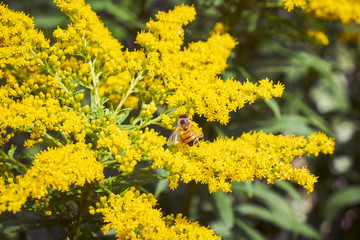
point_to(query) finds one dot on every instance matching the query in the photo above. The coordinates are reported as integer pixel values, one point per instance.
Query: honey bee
(185, 132)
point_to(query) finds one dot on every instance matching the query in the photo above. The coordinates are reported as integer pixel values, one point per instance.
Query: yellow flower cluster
(119, 144)
(19, 39)
(253, 155)
(319, 36)
(188, 79)
(189, 230)
(343, 10)
(36, 95)
(114, 139)
(133, 216)
(40, 96)
(86, 36)
(57, 168)
(37, 115)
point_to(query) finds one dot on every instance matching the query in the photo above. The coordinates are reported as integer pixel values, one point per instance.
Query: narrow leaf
(347, 197)
(224, 208)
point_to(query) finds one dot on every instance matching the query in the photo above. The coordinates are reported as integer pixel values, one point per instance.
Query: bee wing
(174, 137)
(200, 135)
(197, 131)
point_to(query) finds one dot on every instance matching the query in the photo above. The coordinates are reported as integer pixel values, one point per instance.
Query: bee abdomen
(189, 138)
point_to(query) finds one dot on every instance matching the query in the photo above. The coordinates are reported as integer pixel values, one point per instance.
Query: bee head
(184, 116)
(184, 122)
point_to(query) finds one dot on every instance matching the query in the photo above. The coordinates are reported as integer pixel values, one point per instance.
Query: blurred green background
(322, 93)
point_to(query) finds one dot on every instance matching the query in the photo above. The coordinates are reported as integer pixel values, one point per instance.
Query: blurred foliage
(322, 85)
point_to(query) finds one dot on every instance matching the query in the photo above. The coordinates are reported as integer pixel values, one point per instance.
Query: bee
(185, 132)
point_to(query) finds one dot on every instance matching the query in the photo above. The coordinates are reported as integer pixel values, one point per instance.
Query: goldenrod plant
(87, 108)
(344, 10)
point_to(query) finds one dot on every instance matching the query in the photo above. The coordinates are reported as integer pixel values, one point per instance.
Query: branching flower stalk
(345, 11)
(6, 157)
(133, 83)
(95, 78)
(86, 142)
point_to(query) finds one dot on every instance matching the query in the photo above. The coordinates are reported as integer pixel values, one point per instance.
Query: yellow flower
(88, 37)
(253, 155)
(167, 29)
(219, 28)
(114, 139)
(133, 216)
(191, 230)
(57, 168)
(119, 144)
(19, 40)
(319, 37)
(343, 10)
(40, 96)
(114, 86)
(187, 78)
(38, 115)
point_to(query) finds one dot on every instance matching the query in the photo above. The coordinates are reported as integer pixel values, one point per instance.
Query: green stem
(103, 182)
(152, 121)
(83, 208)
(133, 83)
(54, 140)
(136, 120)
(106, 163)
(13, 160)
(102, 186)
(65, 137)
(270, 5)
(95, 78)
(146, 168)
(56, 74)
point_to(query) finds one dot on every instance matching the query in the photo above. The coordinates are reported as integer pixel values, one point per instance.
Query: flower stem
(13, 160)
(152, 121)
(52, 139)
(95, 78)
(133, 83)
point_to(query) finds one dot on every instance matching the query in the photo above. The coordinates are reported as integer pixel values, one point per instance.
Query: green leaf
(218, 131)
(312, 116)
(264, 214)
(273, 200)
(125, 126)
(121, 117)
(251, 232)
(293, 123)
(49, 21)
(12, 150)
(120, 13)
(137, 178)
(117, 31)
(282, 221)
(340, 200)
(330, 94)
(289, 189)
(18, 225)
(329, 85)
(162, 185)
(245, 73)
(274, 106)
(224, 209)
(277, 209)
